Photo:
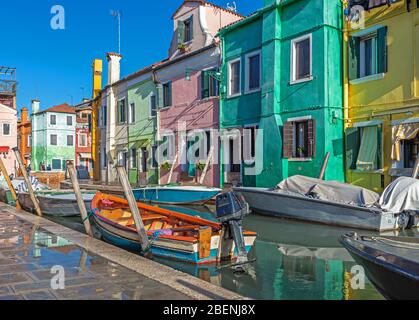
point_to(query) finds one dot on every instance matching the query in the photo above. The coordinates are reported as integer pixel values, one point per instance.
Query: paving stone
(39, 295)
(13, 278)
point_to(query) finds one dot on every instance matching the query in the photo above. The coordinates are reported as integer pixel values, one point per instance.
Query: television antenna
(232, 6)
(117, 15)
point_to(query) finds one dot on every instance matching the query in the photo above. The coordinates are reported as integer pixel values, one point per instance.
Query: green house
(282, 89)
(142, 129)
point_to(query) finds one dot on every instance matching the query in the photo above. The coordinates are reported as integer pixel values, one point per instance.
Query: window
(185, 30)
(29, 141)
(132, 113)
(69, 120)
(300, 138)
(6, 129)
(153, 105)
(144, 158)
(253, 72)
(104, 158)
(411, 152)
(364, 148)
(249, 143)
(234, 77)
(53, 140)
(70, 141)
(53, 119)
(167, 94)
(104, 116)
(122, 158)
(82, 140)
(133, 158)
(301, 59)
(121, 111)
(209, 85)
(368, 54)
(56, 164)
(154, 163)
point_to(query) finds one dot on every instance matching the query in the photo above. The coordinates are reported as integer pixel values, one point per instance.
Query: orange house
(24, 136)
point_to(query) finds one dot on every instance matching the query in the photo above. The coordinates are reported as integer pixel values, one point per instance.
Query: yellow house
(97, 68)
(381, 91)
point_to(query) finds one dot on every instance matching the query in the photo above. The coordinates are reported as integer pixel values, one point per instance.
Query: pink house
(8, 137)
(188, 91)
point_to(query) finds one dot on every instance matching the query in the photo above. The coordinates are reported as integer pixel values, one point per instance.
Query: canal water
(294, 261)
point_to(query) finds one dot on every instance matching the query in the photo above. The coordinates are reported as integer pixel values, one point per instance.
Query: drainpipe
(345, 84)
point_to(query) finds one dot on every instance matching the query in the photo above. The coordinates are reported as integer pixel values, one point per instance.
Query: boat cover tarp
(330, 191)
(401, 195)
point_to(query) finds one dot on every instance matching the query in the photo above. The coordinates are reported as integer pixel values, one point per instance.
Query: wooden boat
(20, 186)
(57, 203)
(391, 263)
(332, 203)
(176, 194)
(173, 235)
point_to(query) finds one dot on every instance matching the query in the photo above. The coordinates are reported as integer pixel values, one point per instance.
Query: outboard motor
(231, 210)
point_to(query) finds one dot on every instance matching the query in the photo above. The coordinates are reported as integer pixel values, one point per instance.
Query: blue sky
(53, 65)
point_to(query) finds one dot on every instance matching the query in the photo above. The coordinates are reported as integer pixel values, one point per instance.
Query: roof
(203, 2)
(62, 108)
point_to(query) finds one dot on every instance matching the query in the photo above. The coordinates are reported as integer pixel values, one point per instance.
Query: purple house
(188, 93)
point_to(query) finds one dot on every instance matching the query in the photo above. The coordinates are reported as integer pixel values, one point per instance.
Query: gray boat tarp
(330, 191)
(401, 195)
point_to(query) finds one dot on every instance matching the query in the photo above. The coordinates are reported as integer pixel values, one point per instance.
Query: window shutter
(380, 161)
(352, 148)
(180, 32)
(191, 28)
(169, 94)
(354, 58)
(160, 95)
(311, 136)
(204, 84)
(288, 142)
(382, 50)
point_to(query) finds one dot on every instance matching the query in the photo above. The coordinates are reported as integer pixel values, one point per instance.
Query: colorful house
(24, 136)
(83, 146)
(53, 137)
(8, 138)
(187, 92)
(382, 92)
(284, 85)
(97, 69)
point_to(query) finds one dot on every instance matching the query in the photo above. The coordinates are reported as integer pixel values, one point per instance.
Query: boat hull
(168, 249)
(175, 195)
(395, 277)
(280, 204)
(56, 206)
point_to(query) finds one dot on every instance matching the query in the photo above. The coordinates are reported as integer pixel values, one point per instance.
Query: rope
(154, 237)
(91, 212)
(395, 243)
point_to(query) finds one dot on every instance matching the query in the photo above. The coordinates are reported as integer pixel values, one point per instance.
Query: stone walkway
(30, 247)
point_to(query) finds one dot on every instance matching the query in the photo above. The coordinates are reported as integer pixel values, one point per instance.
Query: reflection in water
(294, 261)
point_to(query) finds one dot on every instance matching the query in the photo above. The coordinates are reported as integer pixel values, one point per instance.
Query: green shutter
(205, 84)
(352, 148)
(180, 32)
(191, 28)
(380, 163)
(160, 95)
(169, 94)
(354, 58)
(382, 50)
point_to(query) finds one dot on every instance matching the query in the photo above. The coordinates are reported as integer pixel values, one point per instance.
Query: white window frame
(133, 164)
(80, 145)
(293, 67)
(247, 75)
(230, 63)
(50, 122)
(69, 135)
(125, 112)
(72, 121)
(131, 113)
(362, 40)
(10, 129)
(61, 165)
(29, 141)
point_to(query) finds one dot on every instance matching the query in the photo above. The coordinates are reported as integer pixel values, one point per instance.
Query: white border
(230, 95)
(10, 129)
(293, 66)
(247, 71)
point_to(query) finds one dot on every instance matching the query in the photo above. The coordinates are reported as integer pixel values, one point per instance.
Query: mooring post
(27, 182)
(79, 197)
(324, 167)
(9, 183)
(123, 177)
(416, 169)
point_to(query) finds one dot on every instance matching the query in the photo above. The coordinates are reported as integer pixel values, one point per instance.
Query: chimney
(114, 67)
(35, 106)
(24, 115)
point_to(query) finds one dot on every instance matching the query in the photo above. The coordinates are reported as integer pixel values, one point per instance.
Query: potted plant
(182, 47)
(301, 152)
(166, 166)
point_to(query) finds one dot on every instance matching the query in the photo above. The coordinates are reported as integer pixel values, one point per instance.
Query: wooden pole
(416, 169)
(173, 168)
(123, 177)
(27, 182)
(324, 167)
(209, 160)
(9, 183)
(79, 197)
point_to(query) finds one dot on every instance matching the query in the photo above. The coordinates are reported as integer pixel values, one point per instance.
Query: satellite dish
(232, 7)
